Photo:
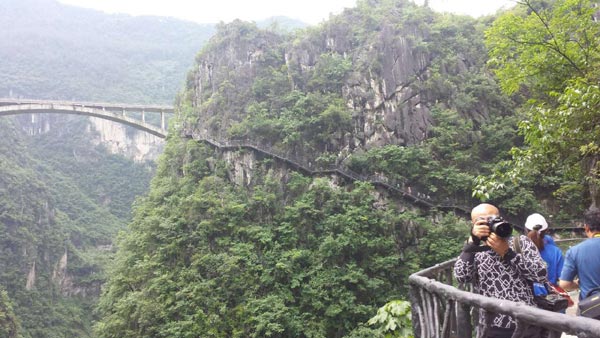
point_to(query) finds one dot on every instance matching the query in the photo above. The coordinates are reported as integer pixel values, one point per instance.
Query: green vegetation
(50, 209)
(33, 237)
(290, 255)
(205, 258)
(394, 319)
(9, 324)
(278, 253)
(548, 53)
(59, 192)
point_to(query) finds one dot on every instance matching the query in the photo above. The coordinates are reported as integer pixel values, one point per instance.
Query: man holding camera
(498, 269)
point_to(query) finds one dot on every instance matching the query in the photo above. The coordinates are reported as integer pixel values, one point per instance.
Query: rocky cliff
(119, 139)
(389, 78)
(385, 79)
(115, 137)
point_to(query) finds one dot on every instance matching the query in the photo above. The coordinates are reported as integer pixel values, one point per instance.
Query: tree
(9, 325)
(549, 53)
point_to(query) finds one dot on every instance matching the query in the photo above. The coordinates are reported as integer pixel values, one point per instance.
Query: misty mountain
(55, 51)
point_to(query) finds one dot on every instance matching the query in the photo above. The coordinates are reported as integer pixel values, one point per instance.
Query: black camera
(499, 226)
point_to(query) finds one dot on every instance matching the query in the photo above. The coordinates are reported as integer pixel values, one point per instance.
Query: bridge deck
(97, 105)
(110, 111)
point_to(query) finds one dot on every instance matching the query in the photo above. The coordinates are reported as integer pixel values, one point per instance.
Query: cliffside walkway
(444, 308)
(416, 198)
(108, 111)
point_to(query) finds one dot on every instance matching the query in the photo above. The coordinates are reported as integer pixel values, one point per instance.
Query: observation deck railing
(443, 308)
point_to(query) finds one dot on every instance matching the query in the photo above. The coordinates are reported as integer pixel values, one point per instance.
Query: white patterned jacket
(509, 278)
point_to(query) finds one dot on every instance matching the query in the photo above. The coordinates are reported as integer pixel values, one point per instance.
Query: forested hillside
(57, 233)
(63, 196)
(54, 51)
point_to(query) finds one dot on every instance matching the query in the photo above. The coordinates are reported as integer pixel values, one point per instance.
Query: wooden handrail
(444, 308)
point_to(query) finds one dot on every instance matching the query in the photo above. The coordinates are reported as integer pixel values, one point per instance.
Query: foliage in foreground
(394, 319)
(549, 53)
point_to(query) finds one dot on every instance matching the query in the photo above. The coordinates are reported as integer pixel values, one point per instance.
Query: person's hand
(498, 244)
(480, 229)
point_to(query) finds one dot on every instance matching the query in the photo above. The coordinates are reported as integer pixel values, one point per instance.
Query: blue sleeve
(555, 263)
(560, 264)
(569, 270)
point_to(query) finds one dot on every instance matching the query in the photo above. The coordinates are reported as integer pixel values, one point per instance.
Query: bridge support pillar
(162, 120)
(143, 116)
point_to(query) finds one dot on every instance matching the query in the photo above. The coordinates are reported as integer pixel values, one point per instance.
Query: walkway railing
(414, 196)
(443, 308)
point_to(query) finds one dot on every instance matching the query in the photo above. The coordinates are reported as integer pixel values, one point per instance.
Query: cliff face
(389, 78)
(119, 139)
(389, 105)
(386, 104)
(115, 137)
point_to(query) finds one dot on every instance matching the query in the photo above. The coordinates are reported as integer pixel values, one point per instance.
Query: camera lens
(503, 229)
(499, 226)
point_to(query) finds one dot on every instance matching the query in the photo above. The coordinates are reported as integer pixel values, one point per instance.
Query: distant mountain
(55, 51)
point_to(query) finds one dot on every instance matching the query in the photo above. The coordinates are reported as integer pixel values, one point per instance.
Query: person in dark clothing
(500, 272)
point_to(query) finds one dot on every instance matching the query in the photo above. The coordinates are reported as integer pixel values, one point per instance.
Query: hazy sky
(310, 11)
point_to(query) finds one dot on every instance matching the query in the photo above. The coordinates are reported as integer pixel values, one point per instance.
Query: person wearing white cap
(536, 226)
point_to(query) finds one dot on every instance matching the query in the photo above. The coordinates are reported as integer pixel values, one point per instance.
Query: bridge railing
(98, 105)
(444, 308)
(132, 115)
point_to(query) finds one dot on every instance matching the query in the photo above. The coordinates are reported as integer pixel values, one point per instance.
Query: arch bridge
(108, 111)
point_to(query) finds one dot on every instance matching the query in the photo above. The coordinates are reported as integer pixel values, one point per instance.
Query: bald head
(484, 210)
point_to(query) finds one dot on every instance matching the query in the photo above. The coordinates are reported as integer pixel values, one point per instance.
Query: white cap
(536, 219)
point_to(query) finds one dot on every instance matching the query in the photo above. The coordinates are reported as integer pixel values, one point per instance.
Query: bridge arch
(98, 111)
